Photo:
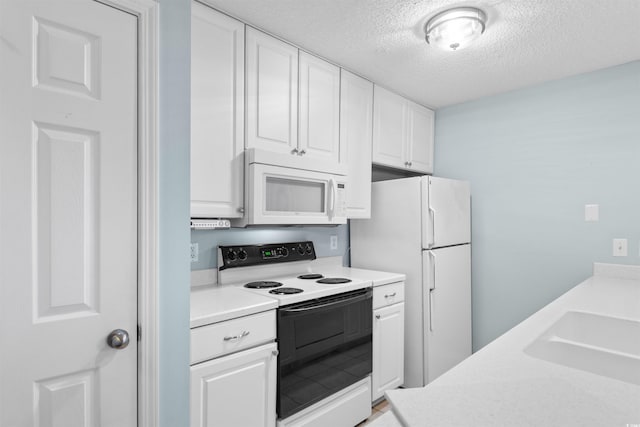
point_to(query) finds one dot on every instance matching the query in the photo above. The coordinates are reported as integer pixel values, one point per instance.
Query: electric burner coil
(263, 284)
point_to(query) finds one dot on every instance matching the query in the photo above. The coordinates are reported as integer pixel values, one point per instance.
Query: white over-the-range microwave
(286, 190)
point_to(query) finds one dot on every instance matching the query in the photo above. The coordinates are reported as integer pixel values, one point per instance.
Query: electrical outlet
(619, 247)
(194, 252)
(333, 242)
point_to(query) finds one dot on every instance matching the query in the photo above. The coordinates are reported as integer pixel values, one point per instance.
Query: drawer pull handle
(236, 337)
(390, 295)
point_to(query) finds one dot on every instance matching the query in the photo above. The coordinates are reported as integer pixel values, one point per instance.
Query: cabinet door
(356, 115)
(217, 114)
(272, 93)
(420, 138)
(319, 118)
(235, 390)
(388, 349)
(389, 128)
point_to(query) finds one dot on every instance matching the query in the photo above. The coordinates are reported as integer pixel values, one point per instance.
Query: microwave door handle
(332, 198)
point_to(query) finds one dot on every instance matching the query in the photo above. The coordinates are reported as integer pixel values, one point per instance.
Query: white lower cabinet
(388, 339)
(236, 390)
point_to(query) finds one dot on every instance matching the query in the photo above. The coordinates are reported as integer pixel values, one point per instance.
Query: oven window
(322, 350)
(292, 195)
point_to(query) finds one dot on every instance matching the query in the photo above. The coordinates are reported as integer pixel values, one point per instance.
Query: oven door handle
(303, 308)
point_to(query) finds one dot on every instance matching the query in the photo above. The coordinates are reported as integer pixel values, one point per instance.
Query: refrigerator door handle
(432, 265)
(431, 310)
(432, 287)
(432, 223)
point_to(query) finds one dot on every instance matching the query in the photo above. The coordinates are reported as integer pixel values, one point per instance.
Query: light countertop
(501, 385)
(377, 278)
(217, 304)
(212, 304)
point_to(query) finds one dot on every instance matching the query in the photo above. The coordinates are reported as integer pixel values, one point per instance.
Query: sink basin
(602, 345)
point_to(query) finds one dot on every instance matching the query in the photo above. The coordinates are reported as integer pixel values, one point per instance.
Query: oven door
(283, 195)
(325, 346)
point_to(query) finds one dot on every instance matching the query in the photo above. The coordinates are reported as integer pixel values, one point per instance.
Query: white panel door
(68, 216)
(448, 212)
(272, 93)
(388, 349)
(356, 115)
(238, 390)
(447, 302)
(389, 128)
(217, 114)
(319, 109)
(420, 138)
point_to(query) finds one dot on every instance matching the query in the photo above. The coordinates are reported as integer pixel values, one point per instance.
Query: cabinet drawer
(388, 294)
(233, 335)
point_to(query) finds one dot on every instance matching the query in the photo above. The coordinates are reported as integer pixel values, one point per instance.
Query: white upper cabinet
(402, 133)
(389, 128)
(319, 109)
(420, 138)
(217, 114)
(272, 93)
(356, 116)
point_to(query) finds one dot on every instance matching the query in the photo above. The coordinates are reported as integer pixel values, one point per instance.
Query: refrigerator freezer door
(447, 304)
(446, 212)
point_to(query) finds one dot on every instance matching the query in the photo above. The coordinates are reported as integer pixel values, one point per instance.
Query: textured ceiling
(526, 41)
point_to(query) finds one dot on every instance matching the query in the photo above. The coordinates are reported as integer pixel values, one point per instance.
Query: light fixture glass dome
(455, 28)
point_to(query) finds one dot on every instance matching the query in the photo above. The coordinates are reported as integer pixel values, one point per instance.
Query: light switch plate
(619, 247)
(591, 213)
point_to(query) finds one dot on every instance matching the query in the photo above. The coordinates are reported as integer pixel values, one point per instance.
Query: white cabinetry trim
(147, 12)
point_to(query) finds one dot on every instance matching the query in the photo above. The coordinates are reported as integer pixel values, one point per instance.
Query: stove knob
(242, 254)
(231, 255)
(309, 250)
(301, 249)
(284, 252)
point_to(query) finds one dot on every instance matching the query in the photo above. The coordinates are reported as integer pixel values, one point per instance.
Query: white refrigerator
(421, 226)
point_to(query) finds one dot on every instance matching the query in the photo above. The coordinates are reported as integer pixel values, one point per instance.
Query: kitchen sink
(602, 345)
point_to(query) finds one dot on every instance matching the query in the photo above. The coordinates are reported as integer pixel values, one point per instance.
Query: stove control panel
(246, 255)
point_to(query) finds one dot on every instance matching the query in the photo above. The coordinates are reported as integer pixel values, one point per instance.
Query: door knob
(118, 339)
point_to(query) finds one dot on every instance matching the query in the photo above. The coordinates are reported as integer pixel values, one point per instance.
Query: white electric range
(324, 330)
(282, 271)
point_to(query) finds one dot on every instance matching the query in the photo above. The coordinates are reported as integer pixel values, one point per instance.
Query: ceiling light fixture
(455, 28)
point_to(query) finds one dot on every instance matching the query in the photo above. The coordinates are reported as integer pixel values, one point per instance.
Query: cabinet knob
(302, 153)
(377, 316)
(241, 210)
(294, 151)
(275, 352)
(410, 163)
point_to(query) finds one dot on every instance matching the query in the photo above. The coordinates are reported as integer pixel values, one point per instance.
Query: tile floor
(376, 411)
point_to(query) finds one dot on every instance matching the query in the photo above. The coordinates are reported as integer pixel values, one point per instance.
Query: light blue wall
(534, 158)
(208, 240)
(173, 292)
